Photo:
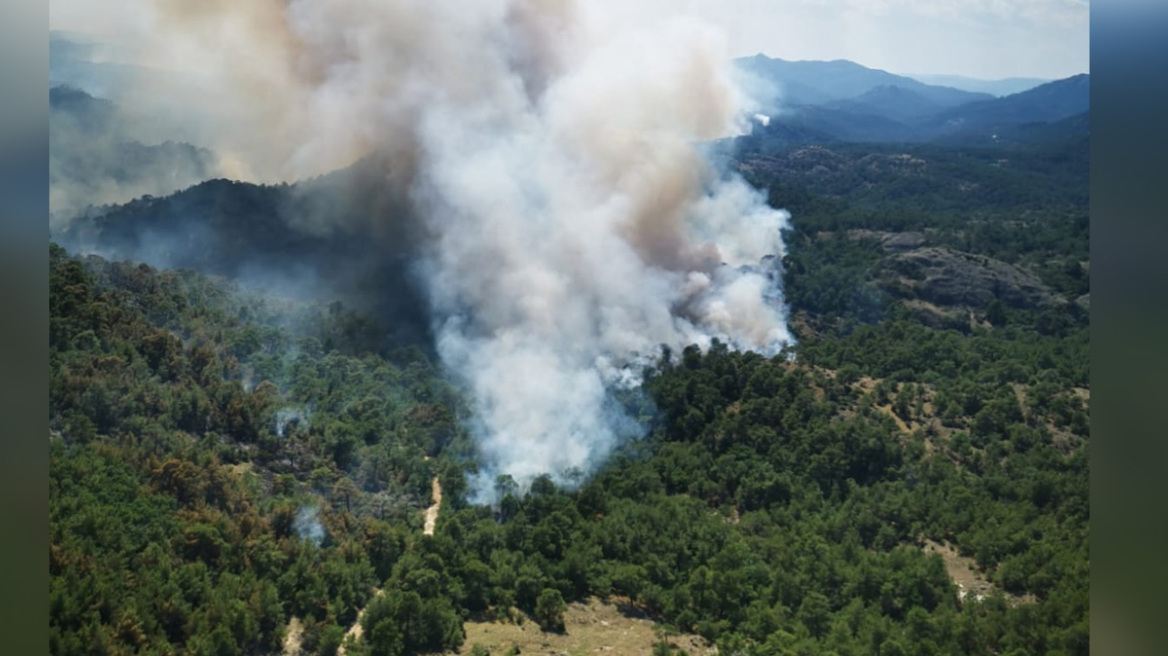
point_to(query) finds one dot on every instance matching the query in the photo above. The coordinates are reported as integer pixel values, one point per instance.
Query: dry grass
(608, 629)
(887, 409)
(971, 584)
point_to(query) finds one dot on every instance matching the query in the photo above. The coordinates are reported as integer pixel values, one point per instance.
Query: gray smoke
(97, 158)
(550, 151)
(307, 525)
(285, 416)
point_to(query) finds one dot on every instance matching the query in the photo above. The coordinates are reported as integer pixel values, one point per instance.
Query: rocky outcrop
(947, 278)
(892, 242)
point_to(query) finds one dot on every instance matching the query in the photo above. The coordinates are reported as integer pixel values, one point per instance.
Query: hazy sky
(978, 38)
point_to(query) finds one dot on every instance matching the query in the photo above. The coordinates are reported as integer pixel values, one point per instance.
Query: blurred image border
(24, 376)
(1129, 197)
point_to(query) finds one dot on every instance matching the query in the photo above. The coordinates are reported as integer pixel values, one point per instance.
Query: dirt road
(432, 511)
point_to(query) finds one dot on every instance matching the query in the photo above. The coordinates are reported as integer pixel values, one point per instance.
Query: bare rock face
(891, 242)
(945, 277)
(902, 241)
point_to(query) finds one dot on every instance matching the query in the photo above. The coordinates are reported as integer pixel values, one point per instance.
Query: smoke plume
(307, 525)
(550, 152)
(287, 416)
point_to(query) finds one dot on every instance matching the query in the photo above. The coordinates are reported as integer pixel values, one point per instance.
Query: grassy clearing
(597, 627)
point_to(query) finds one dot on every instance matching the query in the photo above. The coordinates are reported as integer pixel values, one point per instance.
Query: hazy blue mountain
(844, 101)
(810, 110)
(843, 125)
(892, 102)
(89, 113)
(820, 82)
(1047, 103)
(71, 63)
(1003, 87)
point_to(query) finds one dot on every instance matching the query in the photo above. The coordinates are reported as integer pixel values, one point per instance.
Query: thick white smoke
(552, 150)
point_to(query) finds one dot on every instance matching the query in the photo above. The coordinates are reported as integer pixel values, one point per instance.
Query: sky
(987, 39)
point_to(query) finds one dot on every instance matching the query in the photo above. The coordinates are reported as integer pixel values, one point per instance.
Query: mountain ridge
(1049, 102)
(999, 87)
(816, 82)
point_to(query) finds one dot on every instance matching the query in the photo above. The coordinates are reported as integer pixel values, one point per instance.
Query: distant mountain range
(316, 235)
(78, 60)
(97, 158)
(1053, 101)
(821, 82)
(1003, 87)
(824, 101)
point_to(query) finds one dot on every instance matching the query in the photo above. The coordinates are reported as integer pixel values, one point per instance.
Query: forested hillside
(234, 472)
(940, 231)
(221, 463)
(527, 327)
(226, 465)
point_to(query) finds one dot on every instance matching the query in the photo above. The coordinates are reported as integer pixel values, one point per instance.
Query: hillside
(215, 475)
(212, 443)
(848, 121)
(254, 448)
(1071, 133)
(893, 102)
(340, 236)
(844, 101)
(309, 239)
(1003, 87)
(1051, 102)
(197, 434)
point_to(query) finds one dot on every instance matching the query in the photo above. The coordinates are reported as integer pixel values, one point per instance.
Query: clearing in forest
(971, 584)
(591, 629)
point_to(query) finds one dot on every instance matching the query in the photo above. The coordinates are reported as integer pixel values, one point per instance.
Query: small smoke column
(285, 416)
(307, 525)
(570, 224)
(763, 119)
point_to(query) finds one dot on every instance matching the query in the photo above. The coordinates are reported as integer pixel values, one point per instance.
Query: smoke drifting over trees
(546, 156)
(95, 157)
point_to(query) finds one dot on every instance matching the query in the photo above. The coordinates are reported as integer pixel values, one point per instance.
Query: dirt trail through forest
(355, 631)
(432, 511)
(294, 637)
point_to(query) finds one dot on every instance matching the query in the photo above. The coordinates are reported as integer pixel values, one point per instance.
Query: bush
(549, 610)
